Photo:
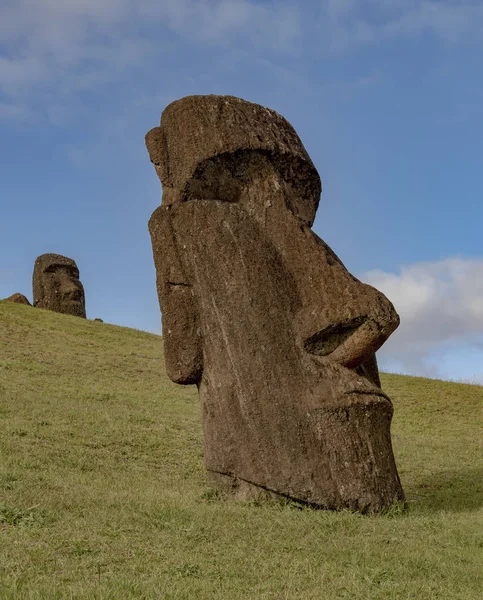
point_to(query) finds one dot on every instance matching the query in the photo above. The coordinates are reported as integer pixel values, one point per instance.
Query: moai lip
(262, 315)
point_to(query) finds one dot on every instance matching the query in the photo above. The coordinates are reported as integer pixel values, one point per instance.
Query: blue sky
(387, 96)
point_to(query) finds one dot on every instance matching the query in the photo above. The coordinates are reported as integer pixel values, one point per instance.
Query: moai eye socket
(215, 179)
(62, 268)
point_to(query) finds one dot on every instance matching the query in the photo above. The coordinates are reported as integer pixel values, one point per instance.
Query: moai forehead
(48, 262)
(196, 131)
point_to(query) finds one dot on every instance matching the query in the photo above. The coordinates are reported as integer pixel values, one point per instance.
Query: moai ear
(158, 153)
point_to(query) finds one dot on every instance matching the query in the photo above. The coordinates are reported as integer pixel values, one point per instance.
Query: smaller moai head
(56, 285)
(18, 299)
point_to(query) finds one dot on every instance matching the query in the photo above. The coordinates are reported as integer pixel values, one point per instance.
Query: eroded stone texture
(18, 299)
(56, 285)
(262, 315)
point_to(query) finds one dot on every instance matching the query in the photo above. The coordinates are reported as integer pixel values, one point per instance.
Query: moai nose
(68, 286)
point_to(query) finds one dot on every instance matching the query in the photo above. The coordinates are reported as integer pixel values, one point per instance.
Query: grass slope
(103, 493)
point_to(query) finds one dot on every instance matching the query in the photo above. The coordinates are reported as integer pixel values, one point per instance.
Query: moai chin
(262, 316)
(56, 285)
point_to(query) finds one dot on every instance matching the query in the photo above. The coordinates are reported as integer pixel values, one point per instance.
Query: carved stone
(262, 316)
(56, 285)
(18, 299)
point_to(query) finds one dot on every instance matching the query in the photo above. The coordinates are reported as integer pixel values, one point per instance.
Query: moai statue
(18, 299)
(263, 317)
(56, 285)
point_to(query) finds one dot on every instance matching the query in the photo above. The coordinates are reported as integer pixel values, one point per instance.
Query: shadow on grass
(454, 491)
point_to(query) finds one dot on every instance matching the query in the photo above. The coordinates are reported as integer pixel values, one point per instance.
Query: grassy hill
(103, 493)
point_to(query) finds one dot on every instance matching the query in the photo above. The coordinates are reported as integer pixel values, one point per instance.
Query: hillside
(103, 493)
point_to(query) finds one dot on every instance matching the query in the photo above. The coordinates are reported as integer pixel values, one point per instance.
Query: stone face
(56, 285)
(261, 314)
(18, 299)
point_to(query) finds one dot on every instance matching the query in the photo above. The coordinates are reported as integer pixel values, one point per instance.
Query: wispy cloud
(441, 307)
(347, 23)
(452, 21)
(273, 24)
(53, 52)
(14, 111)
(50, 55)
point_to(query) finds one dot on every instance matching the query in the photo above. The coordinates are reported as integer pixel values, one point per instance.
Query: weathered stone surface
(56, 285)
(18, 299)
(262, 315)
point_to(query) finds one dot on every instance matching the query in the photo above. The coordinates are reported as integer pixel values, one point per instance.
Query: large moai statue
(262, 316)
(56, 285)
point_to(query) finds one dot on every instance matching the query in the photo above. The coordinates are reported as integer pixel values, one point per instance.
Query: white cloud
(347, 23)
(452, 21)
(338, 9)
(54, 49)
(17, 112)
(274, 24)
(441, 309)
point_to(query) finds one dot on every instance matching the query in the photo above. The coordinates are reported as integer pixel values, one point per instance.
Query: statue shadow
(453, 491)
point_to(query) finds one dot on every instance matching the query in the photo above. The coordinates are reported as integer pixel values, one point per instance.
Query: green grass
(103, 494)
